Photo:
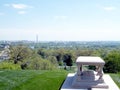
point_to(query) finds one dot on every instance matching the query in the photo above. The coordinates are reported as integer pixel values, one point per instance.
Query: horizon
(64, 20)
(54, 41)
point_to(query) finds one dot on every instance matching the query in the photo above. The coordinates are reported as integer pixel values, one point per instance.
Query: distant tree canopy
(50, 55)
(67, 57)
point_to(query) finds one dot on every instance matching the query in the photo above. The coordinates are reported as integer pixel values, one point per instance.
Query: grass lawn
(116, 78)
(36, 79)
(31, 79)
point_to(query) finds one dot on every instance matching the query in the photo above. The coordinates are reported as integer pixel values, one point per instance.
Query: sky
(60, 20)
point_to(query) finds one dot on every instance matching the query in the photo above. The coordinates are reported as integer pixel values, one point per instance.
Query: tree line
(48, 58)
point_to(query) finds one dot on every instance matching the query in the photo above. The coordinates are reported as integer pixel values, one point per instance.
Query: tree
(41, 52)
(53, 60)
(68, 60)
(110, 67)
(59, 55)
(112, 62)
(19, 53)
(59, 59)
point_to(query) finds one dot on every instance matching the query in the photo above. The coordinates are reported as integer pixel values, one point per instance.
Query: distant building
(3, 46)
(4, 54)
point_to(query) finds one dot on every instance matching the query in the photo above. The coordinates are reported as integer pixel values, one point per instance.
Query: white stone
(89, 60)
(108, 80)
(89, 79)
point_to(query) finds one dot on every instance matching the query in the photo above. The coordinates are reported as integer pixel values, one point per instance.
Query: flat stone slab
(67, 85)
(89, 60)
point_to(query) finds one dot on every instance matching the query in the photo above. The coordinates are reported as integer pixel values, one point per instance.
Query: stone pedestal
(89, 79)
(67, 85)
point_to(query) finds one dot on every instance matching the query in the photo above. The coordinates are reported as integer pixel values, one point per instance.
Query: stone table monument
(86, 79)
(89, 78)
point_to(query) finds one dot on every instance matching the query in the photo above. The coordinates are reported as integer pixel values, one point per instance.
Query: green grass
(31, 80)
(116, 78)
(36, 79)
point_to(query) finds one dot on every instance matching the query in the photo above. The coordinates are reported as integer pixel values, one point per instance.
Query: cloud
(109, 8)
(22, 12)
(18, 6)
(106, 8)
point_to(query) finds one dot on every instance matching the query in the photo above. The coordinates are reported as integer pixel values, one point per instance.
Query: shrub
(46, 65)
(40, 64)
(9, 66)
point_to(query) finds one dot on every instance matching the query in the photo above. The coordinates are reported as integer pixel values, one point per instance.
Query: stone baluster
(101, 72)
(79, 72)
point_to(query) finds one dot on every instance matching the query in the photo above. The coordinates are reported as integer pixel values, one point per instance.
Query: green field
(31, 80)
(116, 78)
(36, 79)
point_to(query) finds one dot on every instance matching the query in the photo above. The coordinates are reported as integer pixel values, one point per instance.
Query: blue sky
(60, 20)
